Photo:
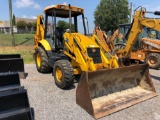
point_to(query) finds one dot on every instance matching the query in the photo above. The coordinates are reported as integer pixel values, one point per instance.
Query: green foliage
(29, 25)
(34, 25)
(2, 31)
(110, 13)
(14, 20)
(64, 25)
(21, 24)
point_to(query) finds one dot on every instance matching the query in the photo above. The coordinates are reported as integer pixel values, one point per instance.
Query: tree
(34, 25)
(110, 13)
(21, 24)
(64, 25)
(14, 20)
(29, 25)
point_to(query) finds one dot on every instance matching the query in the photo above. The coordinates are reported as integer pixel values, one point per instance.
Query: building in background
(5, 26)
(28, 20)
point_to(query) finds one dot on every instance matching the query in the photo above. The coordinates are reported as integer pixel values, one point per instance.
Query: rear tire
(63, 74)
(41, 60)
(153, 59)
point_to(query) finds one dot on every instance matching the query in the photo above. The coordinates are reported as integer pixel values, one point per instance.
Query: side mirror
(157, 13)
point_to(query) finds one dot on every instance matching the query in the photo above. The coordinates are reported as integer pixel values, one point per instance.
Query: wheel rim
(38, 59)
(152, 61)
(59, 74)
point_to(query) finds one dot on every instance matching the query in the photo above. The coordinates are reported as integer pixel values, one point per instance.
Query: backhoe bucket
(12, 63)
(103, 92)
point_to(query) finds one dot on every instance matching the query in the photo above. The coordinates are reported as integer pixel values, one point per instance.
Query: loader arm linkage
(81, 56)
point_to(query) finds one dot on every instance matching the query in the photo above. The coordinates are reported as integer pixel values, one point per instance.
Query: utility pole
(131, 12)
(11, 24)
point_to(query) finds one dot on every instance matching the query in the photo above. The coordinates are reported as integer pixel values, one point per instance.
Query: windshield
(153, 33)
(63, 25)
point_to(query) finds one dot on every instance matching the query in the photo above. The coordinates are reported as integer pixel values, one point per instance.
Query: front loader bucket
(5, 56)
(106, 91)
(12, 63)
(9, 82)
(15, 106)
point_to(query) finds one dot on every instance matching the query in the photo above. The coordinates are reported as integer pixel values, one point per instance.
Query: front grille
(95, 54)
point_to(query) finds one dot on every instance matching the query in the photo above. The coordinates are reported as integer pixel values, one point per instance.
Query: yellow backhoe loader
(140, 40)
(146, 47)
(104, 87)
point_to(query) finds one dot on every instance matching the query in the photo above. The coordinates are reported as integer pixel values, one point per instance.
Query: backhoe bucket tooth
(12, 63)
(103, 92)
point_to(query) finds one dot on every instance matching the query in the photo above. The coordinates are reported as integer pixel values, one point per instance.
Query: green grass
(20, 39)
(26, 52)
(24, 46)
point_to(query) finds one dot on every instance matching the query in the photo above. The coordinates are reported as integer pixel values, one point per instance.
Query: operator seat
(57, 41)
(59, 34)
(59, 38)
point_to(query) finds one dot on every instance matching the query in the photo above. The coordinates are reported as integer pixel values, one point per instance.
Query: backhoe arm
(39, 30)
(139, 22)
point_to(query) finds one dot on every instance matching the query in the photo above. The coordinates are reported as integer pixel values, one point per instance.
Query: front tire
(153, 59)
(41, 60)
(63, 74)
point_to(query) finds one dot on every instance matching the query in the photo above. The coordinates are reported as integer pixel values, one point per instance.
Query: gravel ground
(52, 103)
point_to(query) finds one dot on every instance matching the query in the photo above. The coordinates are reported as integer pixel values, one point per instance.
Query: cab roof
(63, 10)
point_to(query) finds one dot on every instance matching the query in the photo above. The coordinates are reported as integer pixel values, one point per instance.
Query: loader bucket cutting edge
(104, 92)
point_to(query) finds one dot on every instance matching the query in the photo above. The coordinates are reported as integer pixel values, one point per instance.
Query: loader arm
(78, 52)
(139, 22)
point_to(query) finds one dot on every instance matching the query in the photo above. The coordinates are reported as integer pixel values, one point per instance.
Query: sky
(31, 8)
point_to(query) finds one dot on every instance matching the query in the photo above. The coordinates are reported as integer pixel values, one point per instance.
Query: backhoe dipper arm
(39, 30)
(138, 23)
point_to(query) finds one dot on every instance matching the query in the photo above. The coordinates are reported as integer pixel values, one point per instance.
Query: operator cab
(61, 13)
(153, 33)
(124, 31)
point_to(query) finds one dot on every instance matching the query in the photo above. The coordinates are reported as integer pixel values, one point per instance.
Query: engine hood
(152, 42)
